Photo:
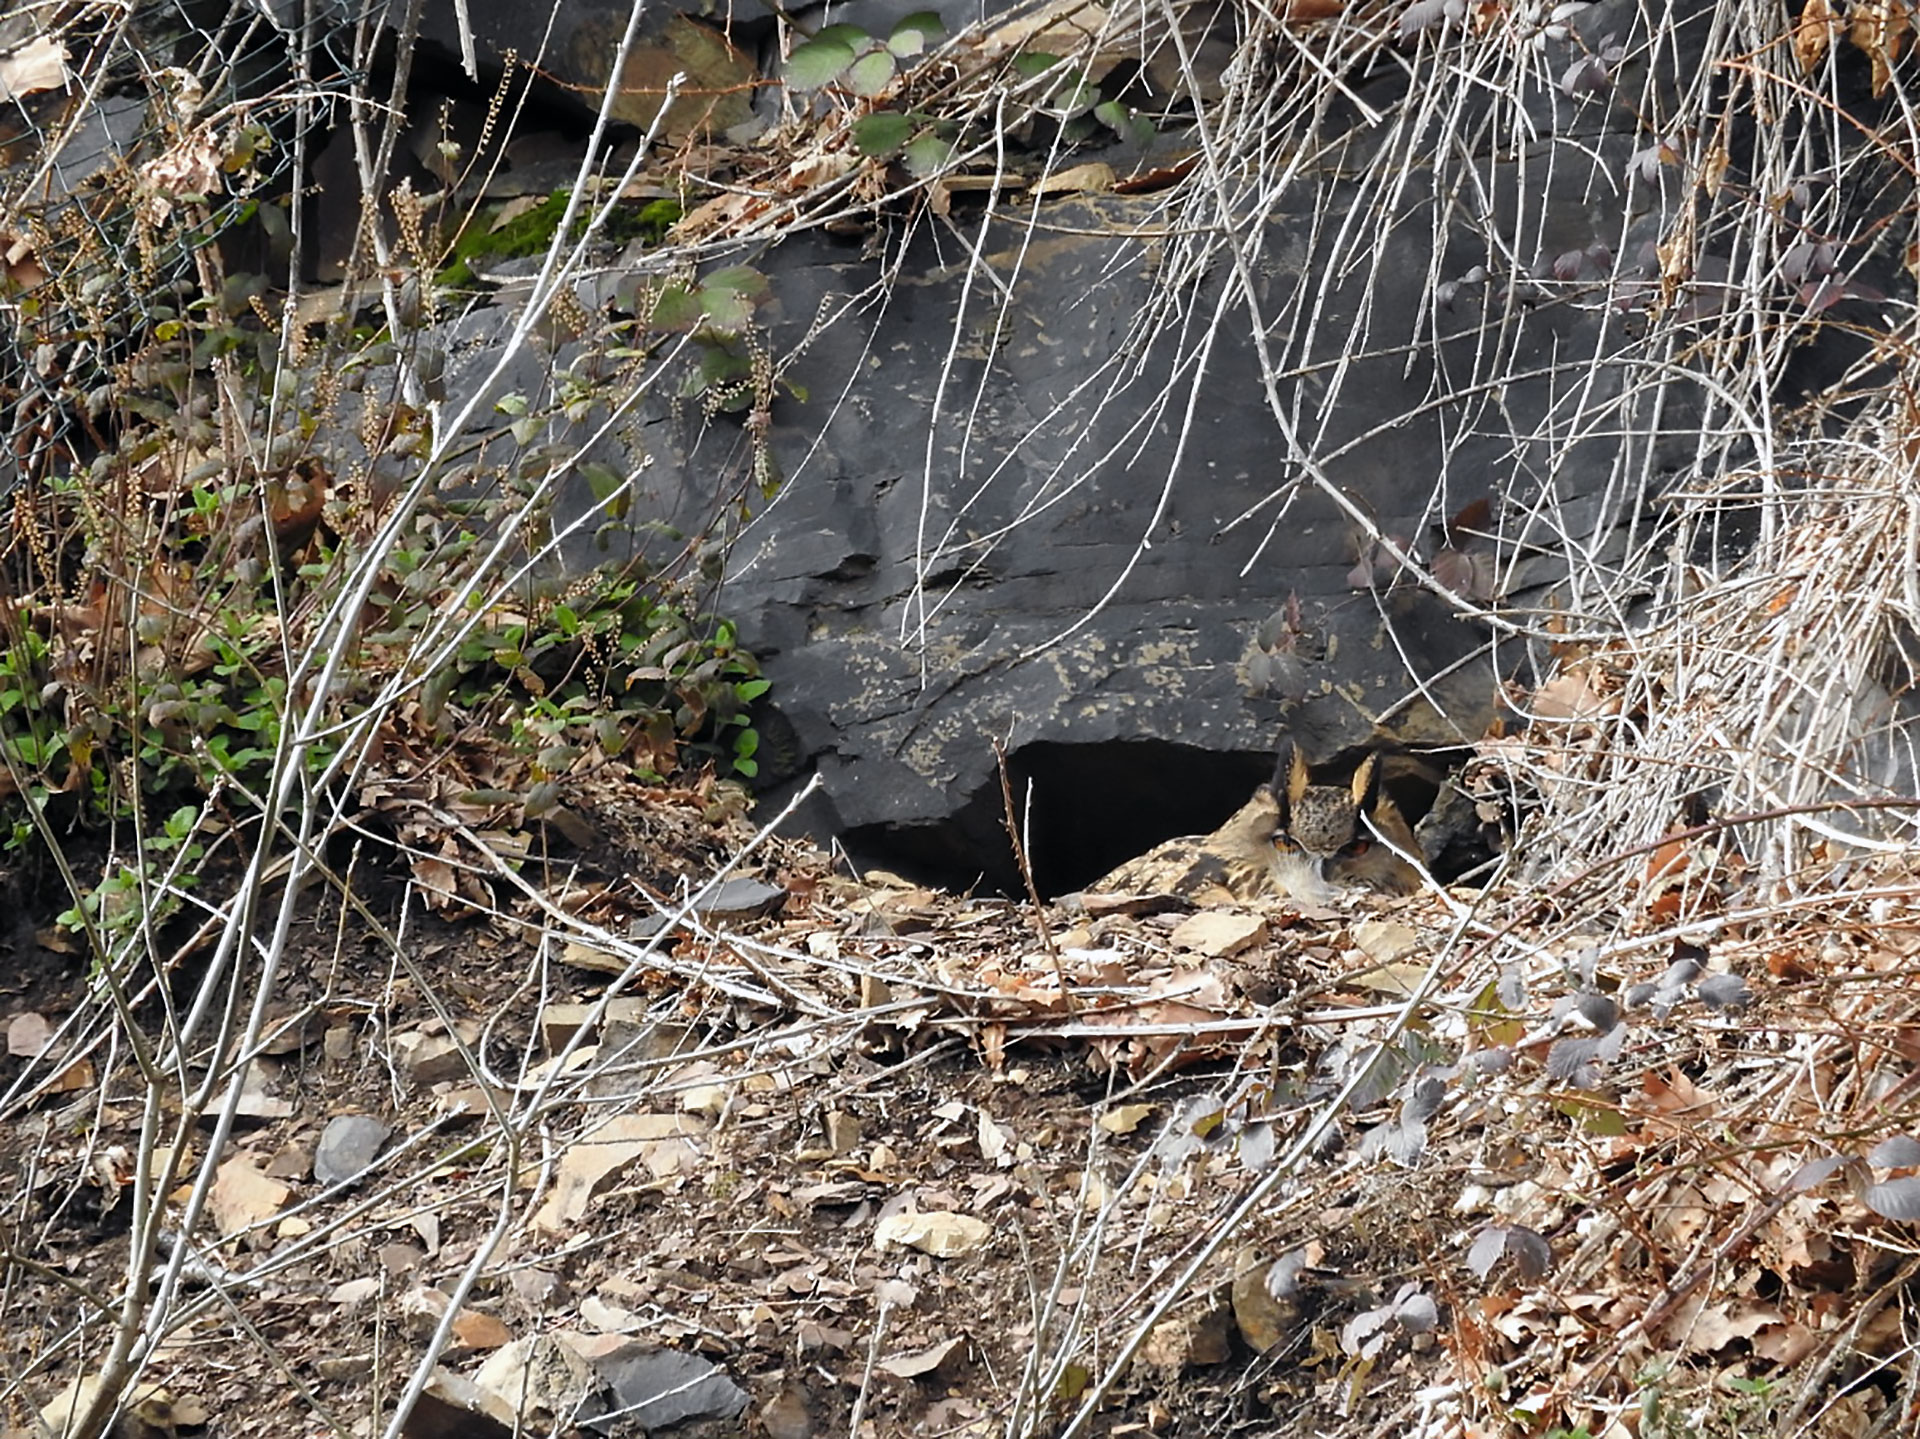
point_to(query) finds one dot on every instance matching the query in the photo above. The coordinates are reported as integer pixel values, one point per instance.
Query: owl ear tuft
(1366, 782)
(1290, 777)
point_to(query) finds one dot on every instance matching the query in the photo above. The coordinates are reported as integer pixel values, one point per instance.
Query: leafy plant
(132, 896)
(848, 57)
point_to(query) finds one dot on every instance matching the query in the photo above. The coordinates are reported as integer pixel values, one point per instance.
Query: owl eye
(1284, 843)
(1353, 849)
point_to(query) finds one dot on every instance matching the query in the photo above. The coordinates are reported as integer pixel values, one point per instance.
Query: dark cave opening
(1085, 808)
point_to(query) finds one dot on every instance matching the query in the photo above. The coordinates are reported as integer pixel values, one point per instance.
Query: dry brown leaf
(19, 265)
(1878, 29)
(819, 167)
(40, 64)
(926, 1362)
(720, 214)
(1571, 695)
(1218, 933)
(1813, 34)
(439, 884)
(1679, 1216)
(665, 1143)
(27, 1035)
(1673, 1093)
(995, 1142)
(188, 169)
(1125, 1118)
(1093, 178)
(514, 209)
(939, 1232)
(1704, 1326)
(243, 1197)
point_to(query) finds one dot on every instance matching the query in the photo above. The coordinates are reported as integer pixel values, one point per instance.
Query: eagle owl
(1330, 837)
(1294, 837)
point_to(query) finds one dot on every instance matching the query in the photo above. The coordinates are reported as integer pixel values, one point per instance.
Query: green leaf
(749, 690)
(746, 285)
(28, 750)
(676, 309)
(927, 155)
(819, 61)
(1035, 63)
(716, 367)
(916, 34)
(926, 22)
(872, 73)
(728, 310)
(1596, 1119)
(1128, 125)
(1076, 97)
(882, 132)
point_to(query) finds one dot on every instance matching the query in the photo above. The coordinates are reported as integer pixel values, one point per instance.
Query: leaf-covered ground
(841, 1145)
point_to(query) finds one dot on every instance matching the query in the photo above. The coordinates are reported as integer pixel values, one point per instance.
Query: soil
(861, 1158)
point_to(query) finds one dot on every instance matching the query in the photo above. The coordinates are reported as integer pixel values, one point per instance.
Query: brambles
(251, 557)
(148, 685)
(846, 61)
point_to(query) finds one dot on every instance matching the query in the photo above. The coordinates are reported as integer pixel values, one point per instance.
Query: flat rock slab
(652, 1388)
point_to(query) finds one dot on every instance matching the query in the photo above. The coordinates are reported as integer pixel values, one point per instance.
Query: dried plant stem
(1026, 877)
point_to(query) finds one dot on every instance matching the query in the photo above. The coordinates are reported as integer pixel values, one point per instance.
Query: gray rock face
(1078, 484)
(1053, 495)
(348, 1145)
(1070, 539)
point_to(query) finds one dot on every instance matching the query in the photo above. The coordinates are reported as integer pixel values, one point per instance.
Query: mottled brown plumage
(1232, 863)
(1294, 837)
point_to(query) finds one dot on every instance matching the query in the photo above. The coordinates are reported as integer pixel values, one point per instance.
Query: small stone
(428, 1059)
(1723, 991)
(348, 1146)
(788, 1414)
(538, 1288)
(655, 1388)
(732, 899)
(455, 1406)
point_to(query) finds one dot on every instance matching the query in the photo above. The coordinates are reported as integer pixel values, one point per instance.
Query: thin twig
(1026, 877)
